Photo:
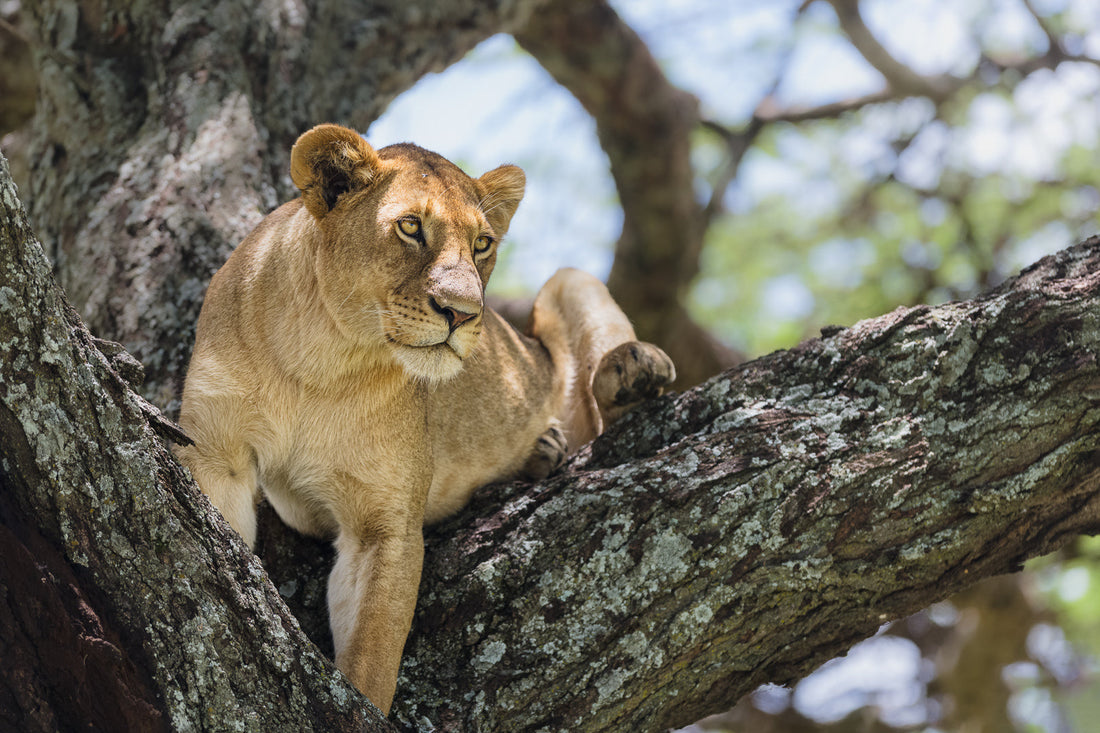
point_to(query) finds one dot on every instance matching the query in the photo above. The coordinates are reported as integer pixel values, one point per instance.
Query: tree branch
(769, 111)
(737, 144)
(900, 78)
(741, 532)
(750, 529)
(1054, 43)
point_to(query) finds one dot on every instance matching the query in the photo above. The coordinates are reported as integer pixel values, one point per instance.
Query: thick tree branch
(752, 528)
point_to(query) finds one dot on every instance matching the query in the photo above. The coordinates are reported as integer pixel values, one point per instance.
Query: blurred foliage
(885, 207)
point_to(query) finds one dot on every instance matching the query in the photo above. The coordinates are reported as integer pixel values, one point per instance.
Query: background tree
(162, 134)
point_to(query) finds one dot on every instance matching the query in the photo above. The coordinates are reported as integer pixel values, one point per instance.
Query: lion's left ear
(501, 191)
(329, 161)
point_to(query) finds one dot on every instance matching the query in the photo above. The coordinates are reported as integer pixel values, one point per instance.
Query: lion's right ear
(329, 161)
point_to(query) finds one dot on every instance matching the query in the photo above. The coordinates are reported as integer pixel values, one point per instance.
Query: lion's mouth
(445, 346)
(435, 361)
(428, 345)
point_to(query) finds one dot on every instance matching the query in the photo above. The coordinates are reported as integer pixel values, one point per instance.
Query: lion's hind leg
(589, 337)
(628, 374)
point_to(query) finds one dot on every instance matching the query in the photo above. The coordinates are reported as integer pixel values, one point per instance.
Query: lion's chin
(432, 364)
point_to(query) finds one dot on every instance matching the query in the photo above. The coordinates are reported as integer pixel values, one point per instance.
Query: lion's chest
(339, 458)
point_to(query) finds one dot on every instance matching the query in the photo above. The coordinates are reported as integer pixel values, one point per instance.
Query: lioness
(346, 364)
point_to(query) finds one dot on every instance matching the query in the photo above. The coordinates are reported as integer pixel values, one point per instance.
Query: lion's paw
(547, 455)
(629, 373)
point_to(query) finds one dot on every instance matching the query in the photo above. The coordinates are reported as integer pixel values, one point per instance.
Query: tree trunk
(738, 533)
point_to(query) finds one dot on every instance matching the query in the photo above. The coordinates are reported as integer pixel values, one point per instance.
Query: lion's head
(407, 244)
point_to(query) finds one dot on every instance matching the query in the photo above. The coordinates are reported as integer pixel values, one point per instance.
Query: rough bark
(164, 131)
(750, 529)
(738, 533)
(645, 126)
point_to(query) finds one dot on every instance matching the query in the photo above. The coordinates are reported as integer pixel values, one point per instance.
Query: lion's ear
(501, 191)
(328, 161)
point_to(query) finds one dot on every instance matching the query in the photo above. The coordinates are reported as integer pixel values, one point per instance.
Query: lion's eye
(410, 227)
(483, 243)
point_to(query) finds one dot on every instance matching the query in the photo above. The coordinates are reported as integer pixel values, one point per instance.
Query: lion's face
(409, 242)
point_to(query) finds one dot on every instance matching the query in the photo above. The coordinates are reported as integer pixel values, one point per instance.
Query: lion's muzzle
(456, 293)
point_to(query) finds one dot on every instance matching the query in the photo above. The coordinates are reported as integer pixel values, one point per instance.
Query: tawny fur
(348, 369)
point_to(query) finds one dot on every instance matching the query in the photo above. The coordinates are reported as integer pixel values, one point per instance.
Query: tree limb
(758, 525)
(768, 111)
(901, 79)
(1054, 43)
(738, 533)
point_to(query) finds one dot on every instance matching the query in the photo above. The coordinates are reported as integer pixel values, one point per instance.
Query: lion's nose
(455, 315)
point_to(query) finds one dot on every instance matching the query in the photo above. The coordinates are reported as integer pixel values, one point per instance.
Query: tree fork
(738, 533)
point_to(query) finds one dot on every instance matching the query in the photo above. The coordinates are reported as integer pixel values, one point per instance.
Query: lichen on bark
(759, 524)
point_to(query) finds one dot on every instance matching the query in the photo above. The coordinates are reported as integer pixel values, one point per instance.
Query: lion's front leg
(228, 478)
(372, 596)
(547, 455)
